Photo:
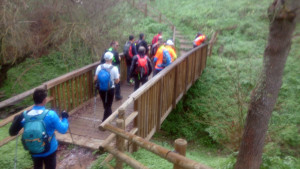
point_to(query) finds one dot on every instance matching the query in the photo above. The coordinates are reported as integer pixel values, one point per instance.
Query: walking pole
(73, 142)
(16, 152)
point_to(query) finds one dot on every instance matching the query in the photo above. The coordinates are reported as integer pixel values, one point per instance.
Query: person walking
(129, 51)
(170, 47)
(140, 68)
(114, 45)
(199, 39)
(142, 42)
(156, 42)
(107, 77)
(161, 59)
(39, 125)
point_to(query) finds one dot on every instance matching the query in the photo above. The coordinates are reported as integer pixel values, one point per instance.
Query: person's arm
(117, 57)
(132, 66)
(146, 47)
(60, 125)
(149, 66)
(16, 125)
(134, 50)
(96, 73)
(173, 54)
(115, 74)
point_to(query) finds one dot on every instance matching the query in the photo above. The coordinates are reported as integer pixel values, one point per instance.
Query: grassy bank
(214, 110)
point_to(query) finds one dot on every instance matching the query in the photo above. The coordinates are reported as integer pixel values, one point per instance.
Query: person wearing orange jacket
(158, 59)
(200, 38)
(170, 47)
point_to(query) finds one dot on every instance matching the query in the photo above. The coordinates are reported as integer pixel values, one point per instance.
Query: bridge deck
(84, 122)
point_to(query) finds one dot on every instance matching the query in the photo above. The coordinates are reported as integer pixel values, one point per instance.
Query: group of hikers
(141, 61)
(40, 123)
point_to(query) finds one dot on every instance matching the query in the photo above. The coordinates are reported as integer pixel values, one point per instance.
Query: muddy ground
(74, 157)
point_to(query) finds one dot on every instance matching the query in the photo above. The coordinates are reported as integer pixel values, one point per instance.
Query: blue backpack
(166, 58)
(35, 138)
(104, 81)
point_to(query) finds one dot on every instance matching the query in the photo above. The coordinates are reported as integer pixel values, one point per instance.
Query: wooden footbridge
(136, 118)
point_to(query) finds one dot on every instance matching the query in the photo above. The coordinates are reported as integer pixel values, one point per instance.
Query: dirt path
(70, 157)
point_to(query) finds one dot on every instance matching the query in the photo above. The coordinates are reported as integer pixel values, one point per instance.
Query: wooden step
(81, 141)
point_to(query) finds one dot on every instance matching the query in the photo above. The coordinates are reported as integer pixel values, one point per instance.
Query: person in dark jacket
(129, 55)
(114, 45)
(52, 122)
(142, 42)
(140, 76)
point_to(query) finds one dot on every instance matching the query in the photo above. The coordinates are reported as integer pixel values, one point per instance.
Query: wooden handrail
(165, 71)
(158, 150)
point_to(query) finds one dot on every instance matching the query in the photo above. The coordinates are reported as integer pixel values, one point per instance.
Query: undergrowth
(213, 111)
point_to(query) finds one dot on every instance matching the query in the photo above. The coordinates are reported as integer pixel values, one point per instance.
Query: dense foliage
(219, 100)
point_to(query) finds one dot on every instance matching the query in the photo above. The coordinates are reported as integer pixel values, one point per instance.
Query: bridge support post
(135, 124)
(120, 142)
(180, 148)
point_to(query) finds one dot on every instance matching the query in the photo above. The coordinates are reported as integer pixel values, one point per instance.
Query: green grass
(8, 152)
(214, 110)
(151, 160)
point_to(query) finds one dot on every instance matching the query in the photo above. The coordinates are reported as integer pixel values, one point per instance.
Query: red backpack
(142, 66)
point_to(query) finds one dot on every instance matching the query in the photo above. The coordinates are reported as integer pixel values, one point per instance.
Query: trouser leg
(37, 162)
(128, 73)
(144, 80)
(136, 83)
(107, 98)
(50, 161)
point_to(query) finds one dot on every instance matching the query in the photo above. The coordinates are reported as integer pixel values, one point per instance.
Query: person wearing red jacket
(200, 38)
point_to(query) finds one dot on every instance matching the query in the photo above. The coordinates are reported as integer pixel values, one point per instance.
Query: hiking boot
(118, 98)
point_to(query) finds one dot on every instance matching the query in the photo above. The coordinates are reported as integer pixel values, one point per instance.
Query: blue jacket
(52, 122)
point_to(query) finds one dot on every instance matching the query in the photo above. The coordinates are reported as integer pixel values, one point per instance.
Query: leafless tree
(33, 28)
(282, 15)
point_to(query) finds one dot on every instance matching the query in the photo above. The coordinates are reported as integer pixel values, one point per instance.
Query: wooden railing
(154, 100)
(68, 92)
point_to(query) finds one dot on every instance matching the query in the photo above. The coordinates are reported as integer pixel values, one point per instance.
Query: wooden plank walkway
(84, 122)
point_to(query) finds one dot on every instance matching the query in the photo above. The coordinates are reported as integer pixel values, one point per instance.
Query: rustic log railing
(155, 100)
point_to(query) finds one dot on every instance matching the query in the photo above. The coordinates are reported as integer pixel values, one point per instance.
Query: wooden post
(159, 17)
(53, 103)
(135, 125)
(120, 143)
(145, 9)
(133, 3)
(180, 148)
(186, 75)
(121, 114)
(158, 150)
(175, 88)
(160, 95)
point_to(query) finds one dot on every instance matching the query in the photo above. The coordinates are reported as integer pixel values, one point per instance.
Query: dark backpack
(104, 81)
(142, 66)
(35, 138)
(127, 50)
(138, 44)
(166, 58)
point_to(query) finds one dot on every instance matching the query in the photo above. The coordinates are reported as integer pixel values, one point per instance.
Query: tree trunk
(264, 96)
